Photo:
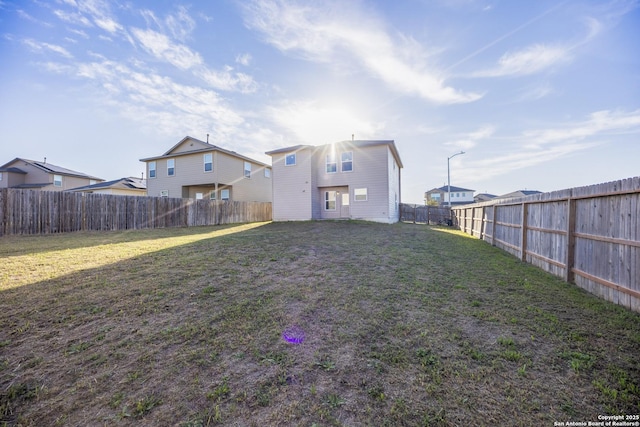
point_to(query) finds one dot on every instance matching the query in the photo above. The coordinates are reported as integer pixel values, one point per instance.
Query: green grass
(404, 325)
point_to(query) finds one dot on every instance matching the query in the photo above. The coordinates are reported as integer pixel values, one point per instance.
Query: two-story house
(349, 179)
(441, 196)
(199, 170)
(34, 175)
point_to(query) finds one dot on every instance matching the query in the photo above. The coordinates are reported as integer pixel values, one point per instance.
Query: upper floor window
(208, 162)
(171, 167)
(267, 173)
(290, 159)
(57, 180)
(152, 169)
(247, 170)
(332, 165)
(347, 161)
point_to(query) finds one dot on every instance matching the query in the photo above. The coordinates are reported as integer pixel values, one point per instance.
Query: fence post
(569, 275)
(523, 237)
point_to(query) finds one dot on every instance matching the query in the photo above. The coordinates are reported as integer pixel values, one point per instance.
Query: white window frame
(289, 156)
(171, 167)
(331, 163)
(225, 194)
(343, 161)
(57, 180)
(247, 170)
(267, 173)
(199, 196)
(164, 193)
(205, 162)
(360, 194)
(328, 200)
(152, 170)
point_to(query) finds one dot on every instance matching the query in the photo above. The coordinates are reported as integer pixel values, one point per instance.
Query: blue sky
(541, 95)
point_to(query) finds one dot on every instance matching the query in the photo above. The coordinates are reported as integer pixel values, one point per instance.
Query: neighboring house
(518, 193)
(348, 179)
(121, 187)
(199, 170)
(30, 174)
(483, 197)
(459, 196)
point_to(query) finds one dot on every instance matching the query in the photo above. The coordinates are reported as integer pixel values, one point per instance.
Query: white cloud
(160, 46)
(600, 122)
(538, 146)
(244, 59)
(228, 81)
(156, 101)
(328, 34)
(108, 25)
(529, 60)
(40, 47)
(470, 140)
(73, 18)
(180, 24)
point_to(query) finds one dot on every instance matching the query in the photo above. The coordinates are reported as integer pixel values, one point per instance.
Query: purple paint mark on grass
(293, 335)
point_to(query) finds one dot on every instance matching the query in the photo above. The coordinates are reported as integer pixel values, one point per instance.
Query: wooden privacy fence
(43, 212)
(589, 236)
(424, 214)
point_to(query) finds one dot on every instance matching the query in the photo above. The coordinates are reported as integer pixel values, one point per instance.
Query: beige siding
(228, 171)
(300, 188)
(394, 188)
(11, 179)
(293, 197)
(36, 175)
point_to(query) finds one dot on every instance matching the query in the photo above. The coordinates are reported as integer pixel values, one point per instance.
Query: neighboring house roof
(519, 193)
(354, 143)
(13, 170)
(453, 188)
(122, 183)
(49, 168)
(201, 147)
(483, 197)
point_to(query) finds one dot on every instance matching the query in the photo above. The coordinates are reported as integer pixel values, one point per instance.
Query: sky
(540, 95)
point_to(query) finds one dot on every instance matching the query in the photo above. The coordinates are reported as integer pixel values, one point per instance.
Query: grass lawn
(403, 325)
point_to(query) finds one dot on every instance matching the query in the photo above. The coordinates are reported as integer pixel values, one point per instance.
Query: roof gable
(187, 144)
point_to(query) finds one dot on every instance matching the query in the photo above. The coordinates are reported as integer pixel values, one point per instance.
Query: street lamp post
(449, 177)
